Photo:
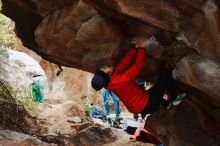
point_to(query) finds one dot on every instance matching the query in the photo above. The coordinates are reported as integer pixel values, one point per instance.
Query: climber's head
(101, 77)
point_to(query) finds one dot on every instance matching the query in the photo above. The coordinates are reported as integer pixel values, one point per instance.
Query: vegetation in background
(13, 102)
(22, 95)
(12, 112)
(8, 38)
(88, 108)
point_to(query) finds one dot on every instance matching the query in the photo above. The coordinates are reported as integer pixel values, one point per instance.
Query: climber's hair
(105, 62)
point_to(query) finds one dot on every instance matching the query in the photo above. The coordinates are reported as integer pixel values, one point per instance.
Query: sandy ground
(60, 117)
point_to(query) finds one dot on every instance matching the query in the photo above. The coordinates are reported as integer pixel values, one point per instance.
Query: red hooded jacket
(123, 84)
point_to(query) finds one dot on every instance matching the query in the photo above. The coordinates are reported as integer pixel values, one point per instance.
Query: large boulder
(10, 138)
(20, 70)
(86, 34)
(93, 136)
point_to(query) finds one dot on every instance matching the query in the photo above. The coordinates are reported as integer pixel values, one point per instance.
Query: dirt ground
(60, 117)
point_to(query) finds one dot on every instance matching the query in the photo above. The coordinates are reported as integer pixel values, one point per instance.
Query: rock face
(86, 34)
(10, 138)
(93, 136)
(23, 66)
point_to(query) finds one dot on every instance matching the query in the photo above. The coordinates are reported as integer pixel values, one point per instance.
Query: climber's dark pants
(164, 82)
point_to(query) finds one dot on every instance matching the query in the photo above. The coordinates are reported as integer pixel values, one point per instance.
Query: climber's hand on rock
(151, 43)
(139, 42)
(144, 42)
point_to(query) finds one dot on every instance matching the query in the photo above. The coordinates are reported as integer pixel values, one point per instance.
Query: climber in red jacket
(121, 81)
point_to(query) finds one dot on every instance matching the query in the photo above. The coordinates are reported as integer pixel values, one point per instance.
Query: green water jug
(37, 91)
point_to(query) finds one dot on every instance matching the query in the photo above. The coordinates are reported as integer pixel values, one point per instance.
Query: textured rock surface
(9, 138)
(23, 66)
(88, 33)
(171, 126)
(93, 136)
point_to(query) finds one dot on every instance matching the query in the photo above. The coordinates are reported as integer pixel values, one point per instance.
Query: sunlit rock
(86, 34)
(20, 70)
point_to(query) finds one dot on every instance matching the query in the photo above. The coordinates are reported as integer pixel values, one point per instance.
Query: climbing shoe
(110, 121)
(118, 122)
(180, 97)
